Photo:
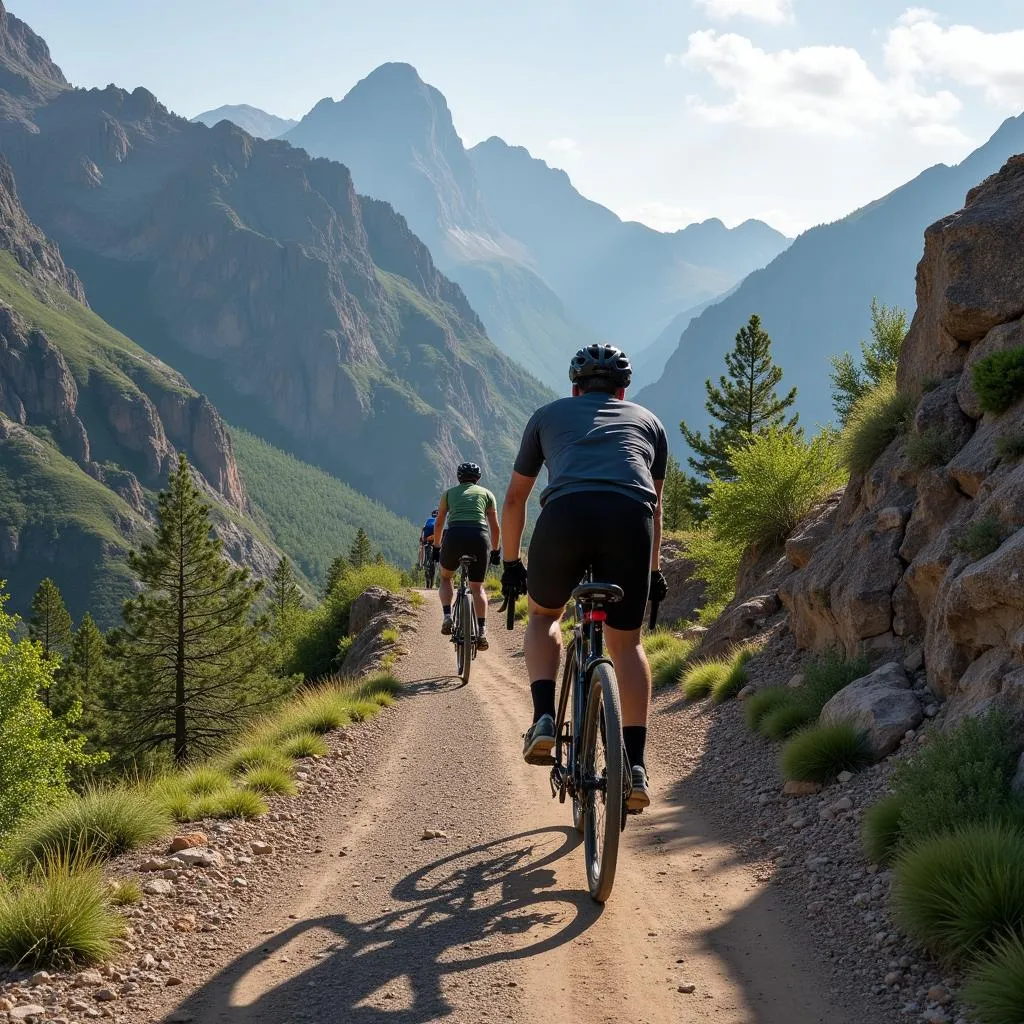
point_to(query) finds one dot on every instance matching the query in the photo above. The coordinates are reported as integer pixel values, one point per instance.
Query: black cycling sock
(543, 691)
(634, 739)
(481, 621)
(447, 609)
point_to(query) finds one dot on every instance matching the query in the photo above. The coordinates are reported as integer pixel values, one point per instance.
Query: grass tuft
(125, 892)
(204, 780)
(735, 679)
(58, 917)
(785, 719)
(668, 656)
(880, 833)
(932, 447)
(999, 379)
(248, 756)
(995, 987)
(882, 415)
(1010, 447)
(700, 679)
(820, 753)
(763, 702)
(270, 780)
(962, 891)
(981, 538)
(232, 803)
(389, 635)
(97, 825)
(304, 744)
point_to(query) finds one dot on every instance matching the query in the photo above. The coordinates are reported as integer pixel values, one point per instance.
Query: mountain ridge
(258, 123)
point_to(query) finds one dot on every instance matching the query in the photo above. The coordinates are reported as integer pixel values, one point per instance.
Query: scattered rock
(159, 864)
(187, 841)
(105, 995)
(796, 681)
(200, 857)
(172, 980)
(796, 787)
(158, 887)
(261, 849)
(87, 979)
(687, 989)
(26, 1011)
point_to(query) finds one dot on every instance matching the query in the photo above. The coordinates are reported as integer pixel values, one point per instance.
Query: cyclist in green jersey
(466, 515)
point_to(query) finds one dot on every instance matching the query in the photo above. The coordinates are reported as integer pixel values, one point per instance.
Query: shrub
(125, 892)
(779, 478)
(826, 676)
(995, 986)
(363, 710)
(959, 892)
(999, 379)
(668, 659)
(319, 709)
(785, 720)
(820, 753)
(963, 779)
(304, 744)
(875, 422)
(699, 680)
(344, 646)
(735, 679)
(270, 780)
(717, 563)
(932, 447)
(1010, 447)
(660, 640)
(232, 803)
(99, 824)
(204, 780)
(389, 635)
(981, 538)
(58, 917)
(764, 701)
(880, 833)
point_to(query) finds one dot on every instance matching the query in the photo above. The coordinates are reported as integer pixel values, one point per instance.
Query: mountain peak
(28, 75)
(256, 122)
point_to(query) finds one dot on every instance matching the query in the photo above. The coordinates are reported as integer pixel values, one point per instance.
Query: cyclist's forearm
(513, 521)
(439, 528)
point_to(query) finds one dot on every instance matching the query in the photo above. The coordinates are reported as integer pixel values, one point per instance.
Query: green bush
(877, 419)
(880, 833)
(270, 780)
(960, 780)
(995, 986)
(125, 892)
(319, 709)
(735, 679)
(232, 803)
(962, 891)
(660, 640)
(764, 701)
(717, 563)
(784, 720)
(999, 379)
(1010, 447)
(99, 824)
(304, 744)
(58, 917)
(820, 753)
(825, 676)
(779, 477)
(700, 679)
(204, 780)
(981, 538)
(669, 659)
(932, 447)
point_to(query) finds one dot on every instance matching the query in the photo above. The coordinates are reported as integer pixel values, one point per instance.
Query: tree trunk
(180, 732)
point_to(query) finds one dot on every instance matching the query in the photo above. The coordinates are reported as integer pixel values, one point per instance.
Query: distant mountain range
(256, 122)
(546, 269)
(814, 298)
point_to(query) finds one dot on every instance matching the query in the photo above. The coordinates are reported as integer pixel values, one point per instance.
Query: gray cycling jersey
(595, 442)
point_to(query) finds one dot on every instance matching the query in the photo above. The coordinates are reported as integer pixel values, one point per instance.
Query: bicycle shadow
(470, 909)
(432, 685)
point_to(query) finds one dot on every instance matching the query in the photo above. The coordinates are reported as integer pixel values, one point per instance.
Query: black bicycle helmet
(468, 473)
(436, 512)
(604, 361)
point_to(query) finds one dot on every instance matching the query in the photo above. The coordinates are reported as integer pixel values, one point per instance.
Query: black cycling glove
(437, 554)
(496, 556)
(513, 577)
(659, 586)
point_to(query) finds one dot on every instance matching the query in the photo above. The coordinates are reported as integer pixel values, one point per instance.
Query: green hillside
(311, 515)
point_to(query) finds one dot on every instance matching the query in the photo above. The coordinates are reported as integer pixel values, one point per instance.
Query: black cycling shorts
(466, 539)
(610, 533)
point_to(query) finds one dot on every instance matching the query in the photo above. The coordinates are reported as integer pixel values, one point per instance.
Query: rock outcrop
(373, 612)
(898, 565)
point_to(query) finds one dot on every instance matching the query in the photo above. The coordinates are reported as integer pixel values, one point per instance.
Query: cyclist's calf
(633, 673)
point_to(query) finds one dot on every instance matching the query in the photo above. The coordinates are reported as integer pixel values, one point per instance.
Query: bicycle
(589, 762)
(429, 569)
(464, 621)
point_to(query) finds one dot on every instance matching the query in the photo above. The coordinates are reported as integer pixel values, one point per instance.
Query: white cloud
(664, 216)
(564, 146)
(820, 89)
(920, 48)
(773, 11)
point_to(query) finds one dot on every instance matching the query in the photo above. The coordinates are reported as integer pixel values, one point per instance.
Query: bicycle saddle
(593, 593)
(467, 558)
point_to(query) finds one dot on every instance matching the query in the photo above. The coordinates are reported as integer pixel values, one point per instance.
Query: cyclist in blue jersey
(426, 548)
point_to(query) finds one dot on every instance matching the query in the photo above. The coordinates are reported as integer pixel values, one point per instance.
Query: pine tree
(284, 592)
(82, 681)
(334, 573)
(50, 626)
(361, 551)
(744, 402)
(195, 663)
(680, 498)
(879, 357)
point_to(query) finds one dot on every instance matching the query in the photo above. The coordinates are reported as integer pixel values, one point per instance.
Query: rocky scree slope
(90, 426)
(814, 298)
(888, 564)
(311, 316)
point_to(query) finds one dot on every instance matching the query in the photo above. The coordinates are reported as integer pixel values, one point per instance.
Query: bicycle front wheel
(467, 635)
(603, 761)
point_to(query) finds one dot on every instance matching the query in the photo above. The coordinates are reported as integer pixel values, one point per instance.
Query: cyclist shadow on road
(493, 903)
(435, 684)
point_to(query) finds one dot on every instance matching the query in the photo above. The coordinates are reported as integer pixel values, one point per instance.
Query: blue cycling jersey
(428, 526)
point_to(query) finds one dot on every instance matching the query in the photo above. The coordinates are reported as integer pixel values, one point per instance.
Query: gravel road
(491, 920)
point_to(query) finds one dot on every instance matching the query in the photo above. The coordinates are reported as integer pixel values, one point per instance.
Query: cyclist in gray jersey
(601, 508)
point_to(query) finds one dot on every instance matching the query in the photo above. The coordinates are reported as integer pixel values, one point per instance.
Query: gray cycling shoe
(539, 741)
(640, 794)
(481, 642)
(447, 626)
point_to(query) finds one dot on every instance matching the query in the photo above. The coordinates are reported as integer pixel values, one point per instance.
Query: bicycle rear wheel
(466, 633)
(603, 760)
(566, 713)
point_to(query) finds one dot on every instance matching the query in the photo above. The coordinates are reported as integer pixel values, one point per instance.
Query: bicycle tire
(566, 713)
(602, 822)
(467, 638)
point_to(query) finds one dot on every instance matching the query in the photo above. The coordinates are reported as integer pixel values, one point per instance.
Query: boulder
(939, 410)
(368, 605)
(881, 703)
(737, 623)
(685, 591)
(812, 531)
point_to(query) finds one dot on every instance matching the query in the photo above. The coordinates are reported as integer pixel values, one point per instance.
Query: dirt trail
(493, 921)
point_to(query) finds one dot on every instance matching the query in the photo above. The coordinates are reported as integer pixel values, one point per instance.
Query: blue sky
(795, 111)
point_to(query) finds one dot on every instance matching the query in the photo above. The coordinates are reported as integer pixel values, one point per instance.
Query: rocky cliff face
(313, 317)
(892, 564)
